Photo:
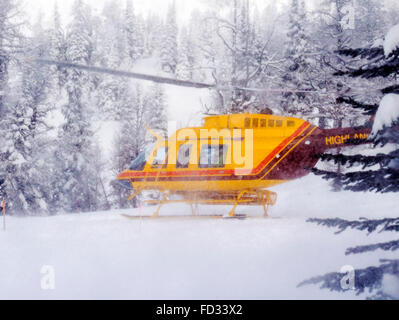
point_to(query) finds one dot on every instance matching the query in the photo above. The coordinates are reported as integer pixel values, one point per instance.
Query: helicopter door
(183, 156)
(213, 156)
(159, 160)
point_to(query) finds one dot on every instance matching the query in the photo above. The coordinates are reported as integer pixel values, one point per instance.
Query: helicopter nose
(124, 176)
(126, 184)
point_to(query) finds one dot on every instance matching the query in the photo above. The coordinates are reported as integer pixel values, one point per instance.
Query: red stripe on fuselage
(270, 157)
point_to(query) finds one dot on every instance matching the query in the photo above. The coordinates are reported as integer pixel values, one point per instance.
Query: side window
(160, 158)
(263, 123)
(213, 156)
(255, 123)
(247, 122)
(271, 123)
(291, 124)
(140, 162)
(279, 123)
(183, 156)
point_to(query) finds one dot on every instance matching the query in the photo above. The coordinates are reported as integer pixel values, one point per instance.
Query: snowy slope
(105, 256)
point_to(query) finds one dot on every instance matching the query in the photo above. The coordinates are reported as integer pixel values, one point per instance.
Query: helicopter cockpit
(159, 159)
(139, 163)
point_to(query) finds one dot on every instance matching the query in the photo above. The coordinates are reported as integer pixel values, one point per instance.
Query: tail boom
(337, 138)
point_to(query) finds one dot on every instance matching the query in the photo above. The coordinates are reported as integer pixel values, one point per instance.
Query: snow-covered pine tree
(186, 61)
(374, 280)
(379, 172)
(9, 42)
(28, 128)
(369, 22)
(247, 65)
(329, 35)
(141, 36)
(130, 141)
(268, 39)
(376, 66)
(57, 50)
(333, 31)
(76, 176)
(169, 50)
(123, 155)
(5, 57)
(22, 112)
(153, 35)
(133, 32)
(298, 76)
(8, 39)
(233, 32)
(391, 13)
(113, 53)
(239, 55)
(157, 118)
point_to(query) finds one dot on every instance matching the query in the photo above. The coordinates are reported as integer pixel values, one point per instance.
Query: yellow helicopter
(231, 159)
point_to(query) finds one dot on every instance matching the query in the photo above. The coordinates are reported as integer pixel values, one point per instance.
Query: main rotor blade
(274, 90)
(163, 80)
(127, 74)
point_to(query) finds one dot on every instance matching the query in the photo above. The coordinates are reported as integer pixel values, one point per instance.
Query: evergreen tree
(130, 141)
(21, 114)
(133, 30)
(169, 52)
(379, 172)
(153, 38)
(57, 50)
(157, 118)
(329, 36)
(332, 34)
(123, 155)
(384, 179)
(5, 57)
(369, 280)
(238, 57)
(28, 126)
(298, 76)
(186, 62)
(75, 147)
(369, 22)
(112, 53)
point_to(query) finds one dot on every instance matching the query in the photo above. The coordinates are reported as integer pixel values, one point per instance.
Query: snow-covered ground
(105, 256)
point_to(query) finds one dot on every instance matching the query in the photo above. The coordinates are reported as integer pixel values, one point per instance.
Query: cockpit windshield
(139, 163)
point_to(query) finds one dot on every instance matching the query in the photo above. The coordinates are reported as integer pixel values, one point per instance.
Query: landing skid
(202, 217)
(236, 216)
(262, 198)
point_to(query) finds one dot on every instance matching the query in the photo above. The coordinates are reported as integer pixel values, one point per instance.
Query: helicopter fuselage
(230, 153)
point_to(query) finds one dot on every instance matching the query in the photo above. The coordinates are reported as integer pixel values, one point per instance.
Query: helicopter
(231, 159)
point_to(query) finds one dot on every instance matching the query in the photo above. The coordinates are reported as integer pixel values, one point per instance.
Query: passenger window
(263, 123)
(271, 123)
(247, 123)
(291, 124)
(279, 123)
(255, 123)
(160, 158)
(183, 156)
(213, 156)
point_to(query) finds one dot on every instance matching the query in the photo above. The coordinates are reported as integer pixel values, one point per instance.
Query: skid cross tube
(263, 198)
